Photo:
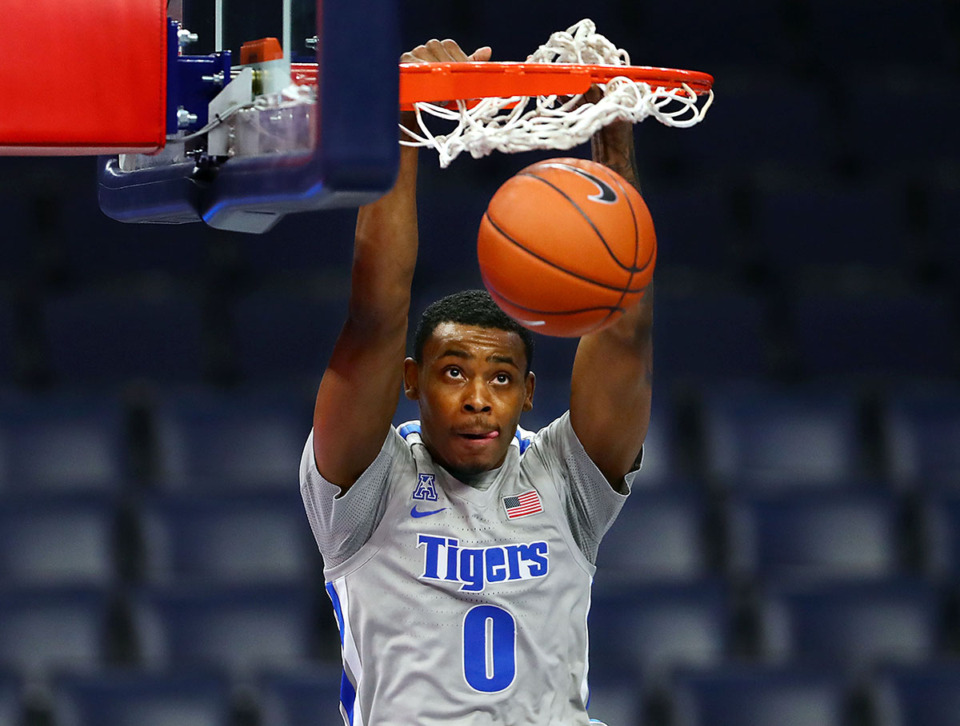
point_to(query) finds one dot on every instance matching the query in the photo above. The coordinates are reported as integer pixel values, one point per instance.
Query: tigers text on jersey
(457, 604)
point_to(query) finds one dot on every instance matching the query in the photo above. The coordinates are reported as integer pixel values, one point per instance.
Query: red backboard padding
(82, 76)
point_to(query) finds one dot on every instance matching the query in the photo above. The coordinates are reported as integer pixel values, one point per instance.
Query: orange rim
(439, 82)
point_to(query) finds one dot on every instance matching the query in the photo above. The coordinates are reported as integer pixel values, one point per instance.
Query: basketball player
(459, 550)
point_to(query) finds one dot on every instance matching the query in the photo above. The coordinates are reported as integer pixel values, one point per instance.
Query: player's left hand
(444, 51)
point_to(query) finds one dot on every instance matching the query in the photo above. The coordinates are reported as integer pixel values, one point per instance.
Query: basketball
(566, 246)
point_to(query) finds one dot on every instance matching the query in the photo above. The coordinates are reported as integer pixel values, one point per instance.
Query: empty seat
(767, 433)
(47, 628)
(737, 134)
(921, 428)
(878, 106)
(848, 337)
(654, 628)
(65, 540)
(856, 625)
(11, 704)
(942, 518)
(8, 339)
(815, 228)
(106, 338)
(755, 35)
(923, 695)
(815, 534)
(245, 537)
(760, 696)
(615, 699)
(916, 34)
(942, 229)
(251, 439)
(302, 697)
(139, 698)
(241, 628)
(285, 336)
(301, 244)
(710, 336)
(678, 216)
(661, 534)
(63, 441)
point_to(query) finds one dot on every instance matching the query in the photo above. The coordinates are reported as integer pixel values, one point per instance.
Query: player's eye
(454, 373)
(502, 378)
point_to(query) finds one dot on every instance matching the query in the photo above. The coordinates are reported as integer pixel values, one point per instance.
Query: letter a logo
(426, 488)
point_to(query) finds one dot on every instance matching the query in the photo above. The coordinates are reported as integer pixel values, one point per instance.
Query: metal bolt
(216, 79)
(185, 37)
(185, 118)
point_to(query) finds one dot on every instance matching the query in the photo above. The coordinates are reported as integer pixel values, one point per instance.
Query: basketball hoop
(538, 104)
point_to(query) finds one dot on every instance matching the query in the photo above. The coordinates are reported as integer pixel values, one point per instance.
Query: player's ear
(530, 383)
(411, 379)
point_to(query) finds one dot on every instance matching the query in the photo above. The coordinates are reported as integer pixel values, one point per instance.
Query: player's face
(471, 388)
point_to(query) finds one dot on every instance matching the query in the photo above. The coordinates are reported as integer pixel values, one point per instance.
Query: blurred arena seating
(790, 555)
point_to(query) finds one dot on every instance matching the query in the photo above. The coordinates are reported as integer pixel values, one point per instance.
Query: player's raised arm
(360, 387)
(613, 369)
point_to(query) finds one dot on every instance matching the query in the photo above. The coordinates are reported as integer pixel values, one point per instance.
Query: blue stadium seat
(914, 34)
(43, 629)
(239, 628)
(807, 534)
(659, 535)
(311, 243)
(616, 699)
(678, 214)
(107, 338)
(760, 696)
(17, 246)
(251, 439)
(942, 230)
(756, 35)
(299, 697)
(765, 433)
(855, 625)
(245, 537)
(732, 325)
(737, 135)
(651, 629)
(66, 540)
(663, 464)
(804, 228)
(285, 336)
(62, 441)
(11, 701)
(942, 519)
(921, 427)
(141, 698)
(8, 339)
(847, 337)
(141, 253)
(923, 695)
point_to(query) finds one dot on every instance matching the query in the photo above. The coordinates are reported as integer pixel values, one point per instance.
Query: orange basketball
(566, 246)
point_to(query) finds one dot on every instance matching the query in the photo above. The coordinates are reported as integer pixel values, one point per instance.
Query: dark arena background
(791, 551)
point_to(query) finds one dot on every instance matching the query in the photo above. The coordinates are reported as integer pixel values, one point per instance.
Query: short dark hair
(469, 307)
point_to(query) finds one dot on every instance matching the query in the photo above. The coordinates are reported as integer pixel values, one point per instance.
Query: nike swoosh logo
(414, 512)
(606, 193)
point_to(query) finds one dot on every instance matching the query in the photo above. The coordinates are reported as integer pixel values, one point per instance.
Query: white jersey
(463, 605)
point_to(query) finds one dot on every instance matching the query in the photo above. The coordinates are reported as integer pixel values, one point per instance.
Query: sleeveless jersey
(463, 605)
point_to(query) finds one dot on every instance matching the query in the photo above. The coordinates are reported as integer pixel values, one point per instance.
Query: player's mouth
(479, 435)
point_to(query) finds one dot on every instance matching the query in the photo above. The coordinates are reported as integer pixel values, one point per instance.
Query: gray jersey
(463, 604)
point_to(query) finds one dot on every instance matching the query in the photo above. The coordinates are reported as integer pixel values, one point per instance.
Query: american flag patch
(522, 505)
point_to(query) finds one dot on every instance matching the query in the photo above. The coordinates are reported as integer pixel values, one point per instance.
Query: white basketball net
(523, 123)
